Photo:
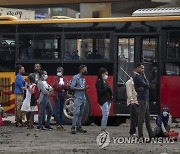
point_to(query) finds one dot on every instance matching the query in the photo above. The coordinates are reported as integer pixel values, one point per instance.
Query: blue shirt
(79, 82)
(19, 83)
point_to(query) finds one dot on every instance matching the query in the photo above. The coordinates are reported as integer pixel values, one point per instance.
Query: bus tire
(69, 109)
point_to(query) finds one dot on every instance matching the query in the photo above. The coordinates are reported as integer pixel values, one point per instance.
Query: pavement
(22, 140)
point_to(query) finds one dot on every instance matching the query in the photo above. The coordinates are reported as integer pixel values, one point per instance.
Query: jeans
(44, 104)
(144, 114)
(105, 113)
(58, 108)
(78, 111)
(133, 111)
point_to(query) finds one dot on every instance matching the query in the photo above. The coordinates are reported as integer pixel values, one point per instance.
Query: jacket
(43, 91)
(141, 86)
(104, 92)
(58, 87)
(131, 92)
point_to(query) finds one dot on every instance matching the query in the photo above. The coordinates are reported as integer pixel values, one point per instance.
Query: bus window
(172, 68)
(125, 65)
(173, 52)
(7, 47)
(173, 47)
(87, 46)
(39, 46)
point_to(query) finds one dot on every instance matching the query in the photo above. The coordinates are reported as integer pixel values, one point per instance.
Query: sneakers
(48, 127)
(73, 130)
(40, 128)
(133, 135)
(81, 130)
(60, 128)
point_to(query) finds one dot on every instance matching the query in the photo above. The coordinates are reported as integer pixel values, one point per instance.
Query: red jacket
(59, 88)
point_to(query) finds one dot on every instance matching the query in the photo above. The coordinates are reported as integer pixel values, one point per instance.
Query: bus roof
(4, 21)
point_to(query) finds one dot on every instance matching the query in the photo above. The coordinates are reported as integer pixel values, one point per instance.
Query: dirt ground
(23, 140)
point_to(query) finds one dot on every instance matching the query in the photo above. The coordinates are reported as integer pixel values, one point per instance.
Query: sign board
(19, 13)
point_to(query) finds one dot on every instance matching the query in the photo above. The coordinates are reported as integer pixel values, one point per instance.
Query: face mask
(45, 77)
(59, 74)
(105, 77)
(165, 114)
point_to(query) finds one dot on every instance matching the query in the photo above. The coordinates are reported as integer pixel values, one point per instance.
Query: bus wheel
(116, 121)
(69, 110)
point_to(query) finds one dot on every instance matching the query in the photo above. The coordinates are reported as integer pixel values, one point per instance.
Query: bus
(114, 43)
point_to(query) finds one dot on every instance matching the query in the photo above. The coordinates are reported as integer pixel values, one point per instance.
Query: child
(26, 106)
(163, 123)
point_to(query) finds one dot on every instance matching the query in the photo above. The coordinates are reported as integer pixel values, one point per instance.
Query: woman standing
(27, 106)
(104, 94)
(60, 88)
(44, 102)
(19, 91)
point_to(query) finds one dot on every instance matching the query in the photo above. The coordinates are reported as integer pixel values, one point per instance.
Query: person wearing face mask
(78, 85)
(19, 89)
(163, 123)
(104, 94)
(44, 101)
(60, 89)
(35, 75)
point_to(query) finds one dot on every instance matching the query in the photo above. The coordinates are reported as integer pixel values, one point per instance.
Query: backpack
(35, 95)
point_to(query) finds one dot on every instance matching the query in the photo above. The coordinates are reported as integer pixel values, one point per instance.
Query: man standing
(132, 104)
(18, 91)
(35, 75)
(142, 88)
(78, 85)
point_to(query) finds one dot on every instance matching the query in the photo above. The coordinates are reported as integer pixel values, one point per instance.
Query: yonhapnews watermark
(104, 139)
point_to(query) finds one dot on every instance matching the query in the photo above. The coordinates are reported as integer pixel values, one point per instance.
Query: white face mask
(165, 114)
(59, 74)
(45, 77)
(105, 77)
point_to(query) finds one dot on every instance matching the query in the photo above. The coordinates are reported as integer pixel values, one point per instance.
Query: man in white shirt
(132, 104)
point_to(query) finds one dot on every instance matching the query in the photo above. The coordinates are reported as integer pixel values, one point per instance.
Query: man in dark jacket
(142, 88)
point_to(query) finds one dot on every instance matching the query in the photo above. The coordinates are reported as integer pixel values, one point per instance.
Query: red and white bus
(114, 43)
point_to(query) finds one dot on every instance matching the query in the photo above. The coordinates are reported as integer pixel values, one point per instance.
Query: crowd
(38, 93)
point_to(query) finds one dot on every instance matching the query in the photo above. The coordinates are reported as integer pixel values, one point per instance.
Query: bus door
(130, 51)
(125, 66)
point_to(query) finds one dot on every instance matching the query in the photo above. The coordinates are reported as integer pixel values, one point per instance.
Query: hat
(165, 109)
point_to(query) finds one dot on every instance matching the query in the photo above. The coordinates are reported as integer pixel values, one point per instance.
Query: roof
(12, 20)
(157, 12)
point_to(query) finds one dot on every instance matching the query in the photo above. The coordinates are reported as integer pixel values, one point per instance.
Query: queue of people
(137, 100)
